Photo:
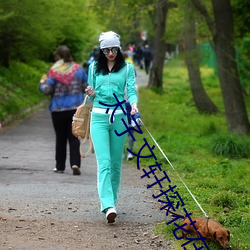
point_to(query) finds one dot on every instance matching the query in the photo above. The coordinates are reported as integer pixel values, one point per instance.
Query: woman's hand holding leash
(134, 109)
(90, 91)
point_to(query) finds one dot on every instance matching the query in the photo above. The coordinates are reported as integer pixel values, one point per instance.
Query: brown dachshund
(190, 229)
(211, 229)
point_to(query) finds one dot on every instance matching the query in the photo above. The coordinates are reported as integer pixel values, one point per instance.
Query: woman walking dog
(109, 75)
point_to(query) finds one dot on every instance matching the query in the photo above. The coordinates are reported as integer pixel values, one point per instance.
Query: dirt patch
(58, 235)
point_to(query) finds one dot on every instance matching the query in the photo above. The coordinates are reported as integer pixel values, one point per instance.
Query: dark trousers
(147, 65)
(62, 122)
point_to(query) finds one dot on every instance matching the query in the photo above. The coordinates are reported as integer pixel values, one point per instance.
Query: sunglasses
(106, 51)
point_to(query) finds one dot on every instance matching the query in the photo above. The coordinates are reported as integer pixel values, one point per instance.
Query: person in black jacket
(147, 54)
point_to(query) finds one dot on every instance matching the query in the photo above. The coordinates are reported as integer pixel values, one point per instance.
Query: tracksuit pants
(109, 151)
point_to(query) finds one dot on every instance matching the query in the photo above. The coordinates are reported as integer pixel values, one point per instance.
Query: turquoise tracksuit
(107, 145)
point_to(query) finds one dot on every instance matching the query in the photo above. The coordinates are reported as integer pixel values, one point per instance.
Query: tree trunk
(159, 46)
(235, 109)
(223, 38)
(201, 99)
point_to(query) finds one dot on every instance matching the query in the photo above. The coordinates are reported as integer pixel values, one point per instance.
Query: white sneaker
(111, 214)
(76, 170)
(129, 156)
(58, 171)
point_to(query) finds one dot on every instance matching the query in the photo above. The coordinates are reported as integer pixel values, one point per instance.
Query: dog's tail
(177, 213)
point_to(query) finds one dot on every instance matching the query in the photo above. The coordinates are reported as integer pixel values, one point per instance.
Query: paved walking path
(40, 209)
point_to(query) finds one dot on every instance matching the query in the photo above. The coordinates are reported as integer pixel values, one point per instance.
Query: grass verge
(214, 164)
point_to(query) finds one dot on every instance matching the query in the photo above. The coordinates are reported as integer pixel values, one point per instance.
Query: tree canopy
(27, 32)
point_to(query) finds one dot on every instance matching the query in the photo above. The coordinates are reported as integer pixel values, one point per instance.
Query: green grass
(214, 164)
(19, 88)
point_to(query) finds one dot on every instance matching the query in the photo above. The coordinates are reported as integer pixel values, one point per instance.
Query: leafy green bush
(223, 200)
(231, 146)
(19, 88)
